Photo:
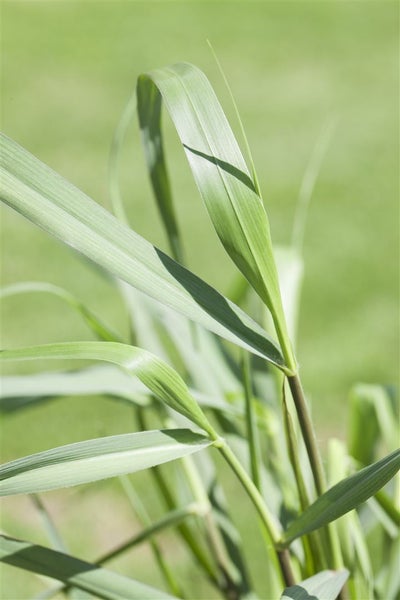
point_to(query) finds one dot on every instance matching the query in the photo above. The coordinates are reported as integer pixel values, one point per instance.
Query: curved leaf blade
(70, 570)
(18, 391)
(42, 196)
(161, 379)
(344, 496)
(93, 460)
(220, 172)
(323, 586)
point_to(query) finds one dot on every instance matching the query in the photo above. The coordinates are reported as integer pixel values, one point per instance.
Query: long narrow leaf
(97, 459)
(17, 391)
(68, 569)
(160, 378)
(220, 172)
(344, 496)
(323, 586)
(38, 193)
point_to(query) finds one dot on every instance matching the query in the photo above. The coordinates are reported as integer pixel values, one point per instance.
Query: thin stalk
(314, 457)
(214, 536)
(170, 520)
(308, 433)
(311, 543)
(281, 558)
(51, 530)
(196, 549)
(141, 512)
(251, 427)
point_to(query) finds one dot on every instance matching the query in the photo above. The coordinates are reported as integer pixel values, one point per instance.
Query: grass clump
(203, 379)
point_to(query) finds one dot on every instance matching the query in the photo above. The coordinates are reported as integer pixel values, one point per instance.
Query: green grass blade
(45, 198)
(323, 586)
(101, 458)
(100, 330)
(18, 391)
(143, 516)
(344, 496)
(161, 379)
(68, 569)
(220, 172)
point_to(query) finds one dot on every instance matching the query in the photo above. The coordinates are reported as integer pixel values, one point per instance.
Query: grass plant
(221, 388)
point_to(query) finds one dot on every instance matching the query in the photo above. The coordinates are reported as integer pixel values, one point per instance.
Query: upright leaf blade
(81, 574)
(38, 193)
(220, 172)
(93, 460)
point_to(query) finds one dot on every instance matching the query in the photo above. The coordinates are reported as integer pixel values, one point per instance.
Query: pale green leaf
(92, 460)
(17, 391)
(344, 496)
(38, 193)
(163, 381)
(323, 586)
(220, 172)
(70, 570)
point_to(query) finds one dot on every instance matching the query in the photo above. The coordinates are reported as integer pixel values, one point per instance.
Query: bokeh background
(68, 69)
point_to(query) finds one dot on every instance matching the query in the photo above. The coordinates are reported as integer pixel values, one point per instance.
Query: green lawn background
(67, 71)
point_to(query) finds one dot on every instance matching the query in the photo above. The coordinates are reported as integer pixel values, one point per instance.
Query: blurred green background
(68, 69)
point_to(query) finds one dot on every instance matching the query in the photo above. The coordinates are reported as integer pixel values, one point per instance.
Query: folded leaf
(81, 574)
(97, 459)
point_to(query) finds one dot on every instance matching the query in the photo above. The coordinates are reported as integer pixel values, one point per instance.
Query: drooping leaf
(92, 460)
(81, 574)
(38, 193)
(344, 496)
(323, 586)
(220, 172)
(163, 381)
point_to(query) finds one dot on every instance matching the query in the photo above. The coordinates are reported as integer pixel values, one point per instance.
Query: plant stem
(308, 433)
(281, 558)
(314, 457)
(213, 533)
